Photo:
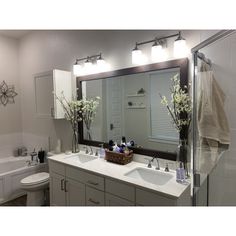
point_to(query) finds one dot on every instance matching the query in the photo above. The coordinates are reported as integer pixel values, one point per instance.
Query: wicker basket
(119, 158)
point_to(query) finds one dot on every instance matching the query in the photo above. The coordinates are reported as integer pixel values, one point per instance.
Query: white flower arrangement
(179, 108)
(71, 109)
(88, 112)
(79, 110)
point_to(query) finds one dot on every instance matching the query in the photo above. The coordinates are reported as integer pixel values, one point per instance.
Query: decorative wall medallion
(7, 93)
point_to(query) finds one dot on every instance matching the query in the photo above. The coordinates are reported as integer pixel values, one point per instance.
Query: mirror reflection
(130, 106)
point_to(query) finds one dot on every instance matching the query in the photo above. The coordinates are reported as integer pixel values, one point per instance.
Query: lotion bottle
(180, 173)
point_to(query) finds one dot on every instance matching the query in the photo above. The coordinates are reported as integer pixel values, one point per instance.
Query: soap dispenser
(180, 173)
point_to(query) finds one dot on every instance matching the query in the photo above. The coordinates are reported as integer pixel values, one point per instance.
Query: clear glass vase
(75, 141)
(88, 132)
(182, 155)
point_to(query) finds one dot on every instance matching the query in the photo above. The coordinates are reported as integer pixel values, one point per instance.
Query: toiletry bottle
(180, 173)
(102, 151)
(123, 141)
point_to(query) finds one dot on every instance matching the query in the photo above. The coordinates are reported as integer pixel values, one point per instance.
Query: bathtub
(12, 170)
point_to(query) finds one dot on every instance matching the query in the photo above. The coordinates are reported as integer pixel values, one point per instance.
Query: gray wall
(41, 51)
(10, 115)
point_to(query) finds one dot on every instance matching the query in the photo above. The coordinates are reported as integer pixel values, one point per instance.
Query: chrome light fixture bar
(92, 64)
(158, 53)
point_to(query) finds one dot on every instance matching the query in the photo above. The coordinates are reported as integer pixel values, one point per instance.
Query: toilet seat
(35, 179)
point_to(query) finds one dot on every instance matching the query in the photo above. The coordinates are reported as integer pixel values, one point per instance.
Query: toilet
(35, 186)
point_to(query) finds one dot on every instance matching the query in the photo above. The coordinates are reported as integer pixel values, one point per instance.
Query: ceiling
(17, 34)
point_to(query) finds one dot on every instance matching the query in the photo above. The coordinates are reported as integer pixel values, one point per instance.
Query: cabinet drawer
(146, 198)
(85, 177)
(94, 197)
(120, 189)
(56, 167)
(112, 200)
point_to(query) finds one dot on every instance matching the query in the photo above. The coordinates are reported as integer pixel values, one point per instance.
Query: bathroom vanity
(84, 180)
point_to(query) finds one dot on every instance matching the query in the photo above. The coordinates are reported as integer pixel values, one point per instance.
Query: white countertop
(171, 189)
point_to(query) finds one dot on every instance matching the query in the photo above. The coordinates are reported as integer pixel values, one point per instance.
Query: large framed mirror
(130, 106)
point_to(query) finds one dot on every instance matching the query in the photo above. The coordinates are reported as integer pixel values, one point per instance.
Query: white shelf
(136, 107)
(135, 95)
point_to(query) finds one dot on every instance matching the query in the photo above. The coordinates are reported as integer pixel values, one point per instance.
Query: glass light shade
(88, 67)
(137, 56)
(101, 65)
(158, 53)
(77, 69)
(180, 48)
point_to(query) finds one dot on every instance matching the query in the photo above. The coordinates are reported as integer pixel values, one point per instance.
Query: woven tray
(119, 158)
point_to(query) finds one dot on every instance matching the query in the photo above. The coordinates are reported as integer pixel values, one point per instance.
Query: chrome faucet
(28, 162)
(91, 150)
(158, 164)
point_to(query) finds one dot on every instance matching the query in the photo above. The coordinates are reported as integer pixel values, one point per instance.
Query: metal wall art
(7, 93)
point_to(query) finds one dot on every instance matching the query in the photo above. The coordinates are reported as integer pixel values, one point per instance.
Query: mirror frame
(178, 63)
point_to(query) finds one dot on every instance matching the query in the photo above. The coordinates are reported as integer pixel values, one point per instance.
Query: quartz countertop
(171, 189)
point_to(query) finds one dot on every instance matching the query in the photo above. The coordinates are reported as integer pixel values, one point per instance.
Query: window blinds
(161, 128)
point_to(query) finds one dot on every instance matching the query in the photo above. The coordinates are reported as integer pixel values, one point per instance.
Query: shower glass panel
(214, 146)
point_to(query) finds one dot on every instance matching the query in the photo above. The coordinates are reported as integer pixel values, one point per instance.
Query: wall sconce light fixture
(158, 51)
(92, 64)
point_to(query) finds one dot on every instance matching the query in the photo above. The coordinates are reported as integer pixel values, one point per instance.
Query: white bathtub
(12, 170)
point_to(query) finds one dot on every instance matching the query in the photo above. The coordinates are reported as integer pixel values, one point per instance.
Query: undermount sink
(150, 176)
(80, 158)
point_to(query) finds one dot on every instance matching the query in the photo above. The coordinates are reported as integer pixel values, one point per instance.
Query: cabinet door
(112, 200)
(75, 193)
(146, 198)
(43, 94)
(57, 190)
(94, 197)
(61, 83)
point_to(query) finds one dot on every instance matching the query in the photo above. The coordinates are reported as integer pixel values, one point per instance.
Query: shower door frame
(218, 36)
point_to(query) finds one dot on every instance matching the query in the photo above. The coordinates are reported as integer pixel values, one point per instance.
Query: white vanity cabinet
(118, 193)
(64, 191)
(45, 102)
(72, 186)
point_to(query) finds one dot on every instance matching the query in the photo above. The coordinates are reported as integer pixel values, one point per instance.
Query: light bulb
(180, 48)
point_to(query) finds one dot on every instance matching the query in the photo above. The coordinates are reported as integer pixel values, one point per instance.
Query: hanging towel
(212, 120)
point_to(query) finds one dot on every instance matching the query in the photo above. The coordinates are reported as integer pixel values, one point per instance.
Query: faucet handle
(167, 166)
(86, 149)
(96, 153)
(149, 162)
(28, 162)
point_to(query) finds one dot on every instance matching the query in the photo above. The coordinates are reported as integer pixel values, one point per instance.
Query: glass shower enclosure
(214, 121)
